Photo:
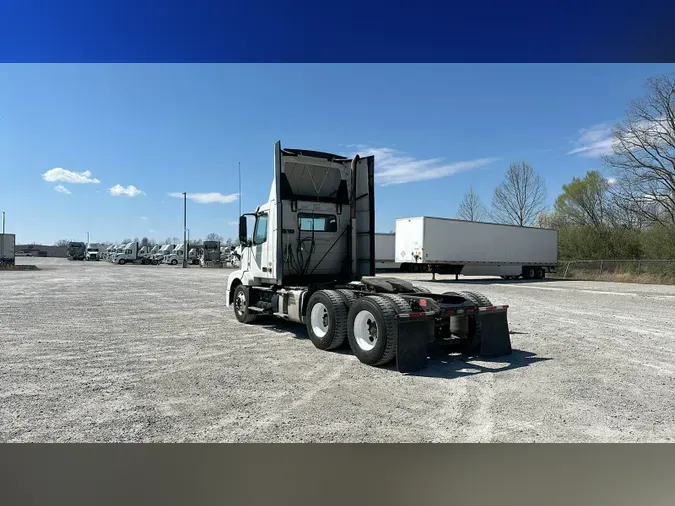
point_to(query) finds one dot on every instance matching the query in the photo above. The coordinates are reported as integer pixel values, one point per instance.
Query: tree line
(628, 214)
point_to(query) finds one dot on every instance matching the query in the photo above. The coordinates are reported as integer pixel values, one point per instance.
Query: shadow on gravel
(454, 365)
(442, 363)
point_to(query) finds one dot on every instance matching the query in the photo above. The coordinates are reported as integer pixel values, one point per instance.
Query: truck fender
(235, 278)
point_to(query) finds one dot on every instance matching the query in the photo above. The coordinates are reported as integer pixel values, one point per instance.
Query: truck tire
(121, 261)
(174, 262)
(241, 303)
(348, 296)
(477, 298)
(539, 273)
(528, 273)
(372, 330)
(326, 319)
(401, 305)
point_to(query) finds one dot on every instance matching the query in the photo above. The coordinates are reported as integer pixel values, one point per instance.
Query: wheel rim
(365, 330)
(240, 303)
(319, 319)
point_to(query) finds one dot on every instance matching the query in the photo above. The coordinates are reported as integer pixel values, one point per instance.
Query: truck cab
(92, 254)
(163, 252)
(175, 257)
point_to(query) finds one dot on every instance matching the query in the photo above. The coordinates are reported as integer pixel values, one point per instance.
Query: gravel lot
(99, 352)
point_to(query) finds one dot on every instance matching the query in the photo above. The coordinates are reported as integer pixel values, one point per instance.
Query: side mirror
(243, 233)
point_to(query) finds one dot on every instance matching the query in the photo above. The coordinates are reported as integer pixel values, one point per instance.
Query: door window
(260, 233)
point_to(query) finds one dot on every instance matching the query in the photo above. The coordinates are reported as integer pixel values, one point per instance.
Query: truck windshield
(317, 222)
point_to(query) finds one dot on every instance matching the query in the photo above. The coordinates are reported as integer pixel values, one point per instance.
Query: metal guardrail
(627, 266)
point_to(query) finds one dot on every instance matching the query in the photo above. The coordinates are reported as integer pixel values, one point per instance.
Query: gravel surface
(100, 352)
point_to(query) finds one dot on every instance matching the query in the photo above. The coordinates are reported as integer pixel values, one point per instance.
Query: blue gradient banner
(345, 31)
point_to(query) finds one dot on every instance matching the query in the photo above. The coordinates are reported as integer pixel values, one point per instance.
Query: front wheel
(174, 262)
(121, 261)
(241, 305)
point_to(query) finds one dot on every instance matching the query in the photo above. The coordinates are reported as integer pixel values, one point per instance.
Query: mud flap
(413, 336)
(491, 337)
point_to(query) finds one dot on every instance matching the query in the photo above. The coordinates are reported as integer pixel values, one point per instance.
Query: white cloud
(62, 189)
(144, 218)
(67, 176)
(396, 167)
(594, 142)
(152, 231)
(208, 198)
(129, 191)
(611, 180)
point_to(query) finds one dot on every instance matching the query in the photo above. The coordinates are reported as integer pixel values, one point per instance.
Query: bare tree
(520, 197)
(214, 237)
(643, 158)
(471, 207)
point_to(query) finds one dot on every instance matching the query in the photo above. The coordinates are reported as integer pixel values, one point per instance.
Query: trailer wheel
(372, 330)
(477, 298)
(241, 311)
(326, 319)
(528, 273)
(539, 273)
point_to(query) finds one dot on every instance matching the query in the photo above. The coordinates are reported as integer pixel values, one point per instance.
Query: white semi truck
(449, 246)
(311, 260)
(132, 254)
(163, 252)
(175, 256)
(92, 253)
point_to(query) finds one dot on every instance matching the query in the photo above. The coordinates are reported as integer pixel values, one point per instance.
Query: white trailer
(311, 260)
(7, 249)
(385, 252)
(450, 246)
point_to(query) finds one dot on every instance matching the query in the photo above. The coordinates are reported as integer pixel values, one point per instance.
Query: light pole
(87, 238)
(3, 222)
(184, 230)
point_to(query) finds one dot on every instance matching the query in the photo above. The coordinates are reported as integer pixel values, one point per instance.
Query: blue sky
(125, 137)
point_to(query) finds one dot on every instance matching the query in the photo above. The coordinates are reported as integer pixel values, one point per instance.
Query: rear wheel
(372, 330)
(477, 298)
(539, 273)
(326, 319)
(241, 305)
(528, 273)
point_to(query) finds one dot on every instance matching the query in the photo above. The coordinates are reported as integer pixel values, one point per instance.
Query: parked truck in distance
(92, 254)
(311, 259)
(211, 254)
(163, 252)
(132, 254)
(175, 256)
(7, 250)
(76, 251)
(450, 246)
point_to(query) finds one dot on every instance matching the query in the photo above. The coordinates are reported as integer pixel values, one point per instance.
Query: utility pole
(184, 230)
(239, 188)
(87, 238)
(3, 222)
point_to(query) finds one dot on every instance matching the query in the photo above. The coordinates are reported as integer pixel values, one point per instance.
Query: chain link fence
(661, 270)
